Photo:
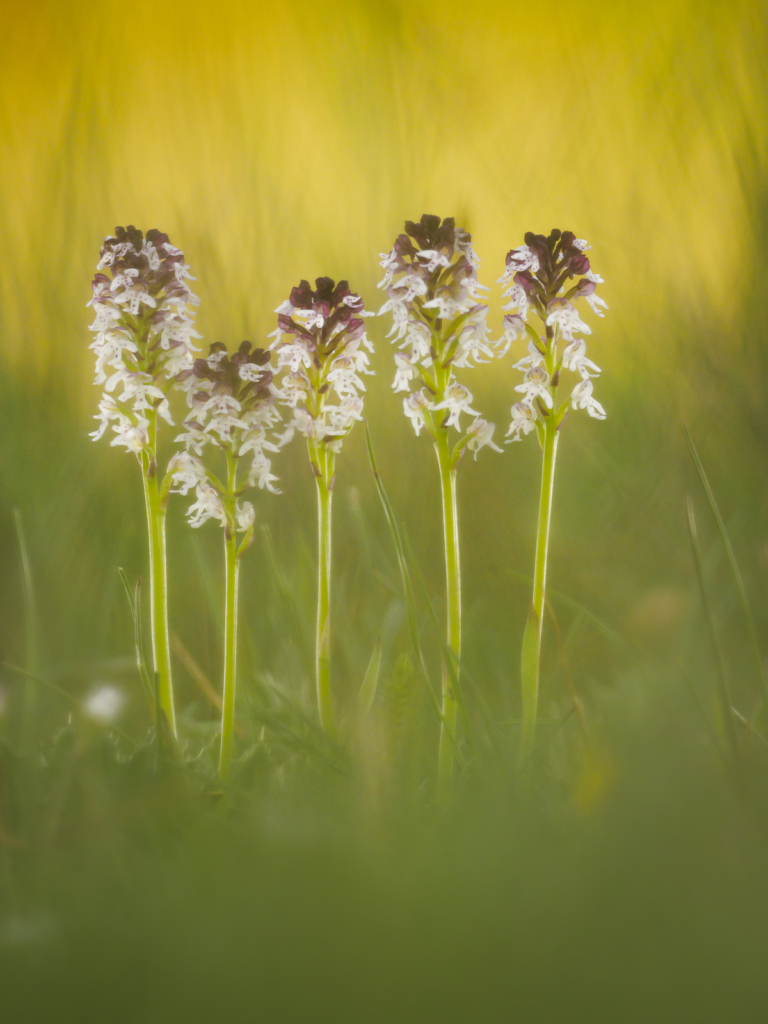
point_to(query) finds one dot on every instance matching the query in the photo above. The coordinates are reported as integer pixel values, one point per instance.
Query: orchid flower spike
(144, 332)
(439, 325)
(548, 275)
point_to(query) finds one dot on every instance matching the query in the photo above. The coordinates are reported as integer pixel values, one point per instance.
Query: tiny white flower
(581, 398)
(575, 358)
(133, 297)
(480, 434)
(186, 471)
(457, 400)
(208, 506)
(534, 358)
(594, 301)
(309, 318)
(536, 385)
(514, 326)
(433, 259)
(415, 406)
(125, 279)
(389, 261)
(105, 703)
(246, 516)
(564, 314)
(260, 471)
(523, 420)
(134, 438)
(405, 372)
(409, 287)
(518, 297)
(523, 258)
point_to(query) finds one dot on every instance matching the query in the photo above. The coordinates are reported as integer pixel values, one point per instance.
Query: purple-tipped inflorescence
(439, 323)
(549, 275)
(144, 331)
(320, 345)
(232, 398)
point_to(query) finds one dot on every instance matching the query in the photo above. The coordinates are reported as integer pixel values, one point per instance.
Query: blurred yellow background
(287, 139)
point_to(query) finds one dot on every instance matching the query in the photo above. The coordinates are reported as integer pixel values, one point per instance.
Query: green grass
(619, 876)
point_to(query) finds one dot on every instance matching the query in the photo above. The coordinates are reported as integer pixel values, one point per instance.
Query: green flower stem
(232, 572)
(531, 652)
(453, 596)
(323, 464)
(158, 578)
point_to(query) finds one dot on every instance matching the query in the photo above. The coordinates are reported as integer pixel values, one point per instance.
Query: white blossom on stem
(480, 435)
(537, 276)
(324, 361)
(439, 320)
(144, 331)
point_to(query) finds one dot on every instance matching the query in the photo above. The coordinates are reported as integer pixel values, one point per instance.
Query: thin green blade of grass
(570, 685)
(325, 745)
(31, 637)
(569, 602)
(449, 657)
(726, 706)
(134, 604)
(367, 693)
(735, 570)
(405, 576)
(31, 628)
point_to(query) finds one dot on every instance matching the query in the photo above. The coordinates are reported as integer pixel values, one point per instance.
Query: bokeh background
(284, 140)
(275, 141)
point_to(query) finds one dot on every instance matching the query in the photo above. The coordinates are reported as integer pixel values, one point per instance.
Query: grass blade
(134, 604)
(726, 708)
(448, 656)
(739, 580)
(31, 635)
(367, 693)
(404, 573)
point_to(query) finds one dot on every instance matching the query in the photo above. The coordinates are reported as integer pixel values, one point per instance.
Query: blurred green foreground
(621, 876)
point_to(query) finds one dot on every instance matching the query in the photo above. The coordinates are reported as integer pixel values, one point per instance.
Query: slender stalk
(322, 462)
(32, 657)
(531, 651)
(727, 710)
(453, 597)
(158, 579)
(735, 570)
(232, 572)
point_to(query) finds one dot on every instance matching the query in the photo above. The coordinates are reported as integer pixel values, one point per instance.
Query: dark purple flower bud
(355, 330)
(524, 278)
(405, 247)
(579, 265)
(324, 290)
(301, 297)
(288, 326)
(340, 292)
(584, 288)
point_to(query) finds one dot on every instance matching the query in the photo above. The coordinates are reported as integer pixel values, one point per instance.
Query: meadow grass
(619, 873)
(620, 877)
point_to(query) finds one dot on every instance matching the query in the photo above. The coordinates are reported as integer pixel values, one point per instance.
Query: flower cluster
(320, 345)
(232, 399)
(538, 275)
(439, 323)
(144, 332)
